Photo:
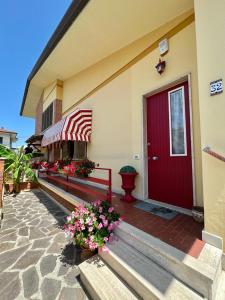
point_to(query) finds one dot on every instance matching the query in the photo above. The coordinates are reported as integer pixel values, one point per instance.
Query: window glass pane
(1, 140)
(177, 123)
(47, 117)
(80, 150)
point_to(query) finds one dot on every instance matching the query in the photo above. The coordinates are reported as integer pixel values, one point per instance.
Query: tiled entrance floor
(181, 232)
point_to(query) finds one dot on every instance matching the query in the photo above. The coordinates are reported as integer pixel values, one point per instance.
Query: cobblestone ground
(31, 246)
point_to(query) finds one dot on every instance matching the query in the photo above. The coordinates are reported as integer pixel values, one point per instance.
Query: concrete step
(201, 274)
(147, 278)
(101, 282)
(220, 295)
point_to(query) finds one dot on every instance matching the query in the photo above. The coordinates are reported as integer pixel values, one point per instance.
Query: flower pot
(74, 254)
(198, 214)
(83, 254)
(128, 184)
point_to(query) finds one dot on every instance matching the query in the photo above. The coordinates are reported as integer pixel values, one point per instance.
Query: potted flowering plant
(89, 227)
(128, 175)
(85, 168)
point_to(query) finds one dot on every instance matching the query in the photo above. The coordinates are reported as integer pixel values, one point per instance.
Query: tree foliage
(17, 166)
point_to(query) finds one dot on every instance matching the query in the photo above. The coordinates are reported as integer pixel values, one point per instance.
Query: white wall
(6, 139)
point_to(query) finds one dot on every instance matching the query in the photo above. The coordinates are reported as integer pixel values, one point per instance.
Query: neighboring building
(7, 137)
(95, 91)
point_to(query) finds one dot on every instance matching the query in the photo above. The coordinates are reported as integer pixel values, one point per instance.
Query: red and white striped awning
(76, 126)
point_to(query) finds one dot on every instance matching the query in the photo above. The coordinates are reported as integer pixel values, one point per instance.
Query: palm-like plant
(17, 166)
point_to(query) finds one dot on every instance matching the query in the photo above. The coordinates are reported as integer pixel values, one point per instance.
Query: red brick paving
(182, 232)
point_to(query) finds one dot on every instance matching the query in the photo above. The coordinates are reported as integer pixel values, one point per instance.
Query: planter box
(22, 186)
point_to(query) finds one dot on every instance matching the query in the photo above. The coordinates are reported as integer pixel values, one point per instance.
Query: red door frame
(144, 136)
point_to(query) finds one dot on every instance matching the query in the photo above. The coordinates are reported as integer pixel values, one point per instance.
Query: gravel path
(31, 245)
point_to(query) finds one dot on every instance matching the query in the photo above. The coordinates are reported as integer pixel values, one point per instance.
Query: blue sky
(25, 28)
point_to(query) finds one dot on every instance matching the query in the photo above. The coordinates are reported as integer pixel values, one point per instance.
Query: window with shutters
(47, 117)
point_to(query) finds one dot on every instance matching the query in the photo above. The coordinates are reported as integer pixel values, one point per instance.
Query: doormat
(157, 210)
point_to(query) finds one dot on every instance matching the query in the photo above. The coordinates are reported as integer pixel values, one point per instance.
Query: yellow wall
(117, 107)
(52, 92)
(211, 66)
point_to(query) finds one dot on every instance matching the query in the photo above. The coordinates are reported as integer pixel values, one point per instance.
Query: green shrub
(128, 169)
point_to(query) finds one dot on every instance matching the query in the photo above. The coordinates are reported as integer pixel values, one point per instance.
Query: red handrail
(107, 183)
(109, 193)
(214, 154)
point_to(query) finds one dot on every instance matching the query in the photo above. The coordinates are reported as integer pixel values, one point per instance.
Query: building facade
(169, 126)
(7, 137)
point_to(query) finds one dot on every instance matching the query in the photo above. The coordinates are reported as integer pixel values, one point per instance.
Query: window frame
(47, 117)
(85, 151)
(184, 122)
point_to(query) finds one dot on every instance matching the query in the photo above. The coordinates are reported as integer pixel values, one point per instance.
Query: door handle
(155, 158)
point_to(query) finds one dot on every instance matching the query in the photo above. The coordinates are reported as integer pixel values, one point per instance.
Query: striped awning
(74, 127)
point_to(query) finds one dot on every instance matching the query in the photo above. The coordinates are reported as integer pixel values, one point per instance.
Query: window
(74, 150)
(1, 140)
(47, 117)
(80, 150)
(177, 123)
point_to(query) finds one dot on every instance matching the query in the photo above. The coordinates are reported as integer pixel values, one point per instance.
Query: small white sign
(163, 46)
(216, 87)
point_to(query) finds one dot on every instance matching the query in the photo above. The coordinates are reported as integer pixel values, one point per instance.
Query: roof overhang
(86, 36)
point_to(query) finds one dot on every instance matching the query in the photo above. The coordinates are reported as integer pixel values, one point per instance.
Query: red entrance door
(169, 147)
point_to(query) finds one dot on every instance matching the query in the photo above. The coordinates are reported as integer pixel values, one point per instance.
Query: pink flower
(92, 245)
(105, 239)
(90, 229)
(100, 225)
(100, 209)
(111, 209)
(105, 222)
(111, 227)
(117, 223)
(69, 218)
(97, 203)
(104, 249)
(102, 217)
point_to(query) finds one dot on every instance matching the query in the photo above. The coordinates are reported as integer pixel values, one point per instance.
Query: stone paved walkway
(31, 243)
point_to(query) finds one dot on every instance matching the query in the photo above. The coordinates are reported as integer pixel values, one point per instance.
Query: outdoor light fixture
(160, 67)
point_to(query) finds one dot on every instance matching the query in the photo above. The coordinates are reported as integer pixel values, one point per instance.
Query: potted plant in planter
(18, 169)
(89, 227)
(128, 174)
(198, 214)
(85, 168)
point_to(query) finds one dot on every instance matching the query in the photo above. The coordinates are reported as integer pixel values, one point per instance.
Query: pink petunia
(105, 222)
(111, 209)
(90, 229)
(100, 225)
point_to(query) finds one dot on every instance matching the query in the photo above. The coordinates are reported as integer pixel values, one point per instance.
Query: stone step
(200, 274)
(220, 295)
(101, 282)
(148, 279)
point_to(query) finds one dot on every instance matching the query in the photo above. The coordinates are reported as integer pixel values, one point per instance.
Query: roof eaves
(70, 16)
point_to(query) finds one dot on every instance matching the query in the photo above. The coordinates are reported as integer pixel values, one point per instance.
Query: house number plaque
(216, 87)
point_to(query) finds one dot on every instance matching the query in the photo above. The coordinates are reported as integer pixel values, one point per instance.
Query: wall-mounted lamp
(160, 67)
